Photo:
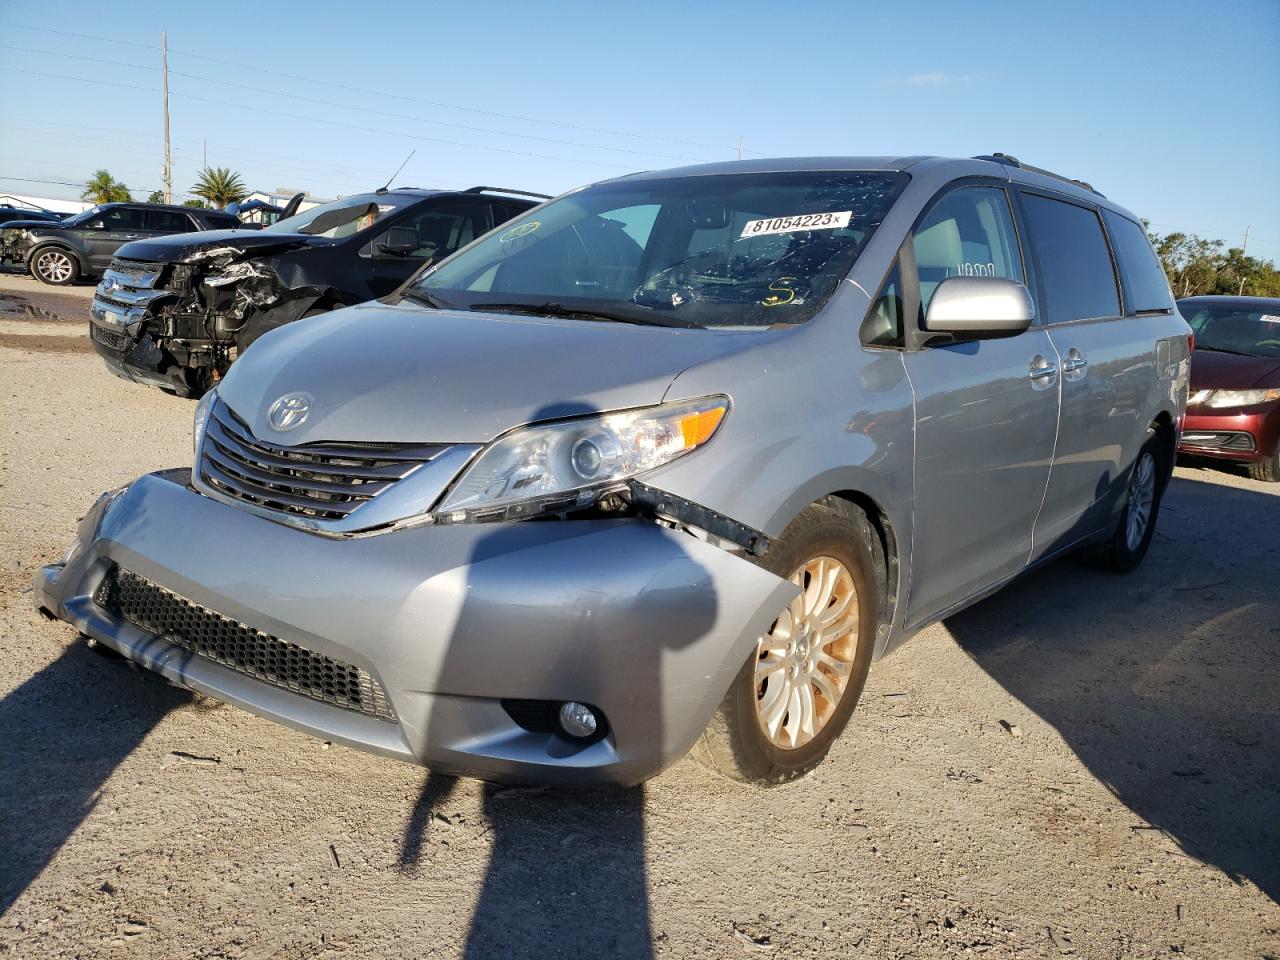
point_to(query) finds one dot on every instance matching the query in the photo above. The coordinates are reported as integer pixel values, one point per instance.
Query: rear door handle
(133, 236)
(1074, 362)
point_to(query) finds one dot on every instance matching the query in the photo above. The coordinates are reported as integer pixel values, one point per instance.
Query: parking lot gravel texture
(1083, 765)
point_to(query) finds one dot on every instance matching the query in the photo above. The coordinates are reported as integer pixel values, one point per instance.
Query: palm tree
(104, 188)
(219, 186)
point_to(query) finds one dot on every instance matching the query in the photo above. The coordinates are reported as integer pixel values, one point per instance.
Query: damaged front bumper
(444, 640)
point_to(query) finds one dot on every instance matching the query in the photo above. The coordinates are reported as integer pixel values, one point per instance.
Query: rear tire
(1137, 524)
(54, 265)
(1268, 471)
(796, 691)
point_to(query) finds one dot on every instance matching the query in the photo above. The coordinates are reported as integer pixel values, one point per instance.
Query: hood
(31, 224)
(1211, 370)
(190, 247)
(406, 373)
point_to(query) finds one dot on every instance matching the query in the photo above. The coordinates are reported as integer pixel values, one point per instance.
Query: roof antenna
(383, 188)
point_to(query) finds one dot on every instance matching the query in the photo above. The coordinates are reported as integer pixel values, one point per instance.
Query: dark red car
(1234, 409)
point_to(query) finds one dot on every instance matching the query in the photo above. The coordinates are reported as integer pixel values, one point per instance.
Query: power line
(364, 108)
(335, 123)
(365, 91)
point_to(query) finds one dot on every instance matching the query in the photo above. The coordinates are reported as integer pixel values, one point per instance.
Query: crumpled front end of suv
(179, 325)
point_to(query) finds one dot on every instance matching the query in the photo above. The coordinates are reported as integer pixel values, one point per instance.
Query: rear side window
(1075, 264)
(969, 233)
(170, 221)
(1145, 285)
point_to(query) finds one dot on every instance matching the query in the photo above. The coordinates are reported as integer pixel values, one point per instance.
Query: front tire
(1268, 471)
(54, 266)
(798, 688)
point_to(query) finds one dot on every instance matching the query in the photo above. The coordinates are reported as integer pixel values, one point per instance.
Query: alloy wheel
(805, 660)
(55, 266)
(1142, 495)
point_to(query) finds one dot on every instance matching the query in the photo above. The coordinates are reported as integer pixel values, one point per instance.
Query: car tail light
(1191, 343)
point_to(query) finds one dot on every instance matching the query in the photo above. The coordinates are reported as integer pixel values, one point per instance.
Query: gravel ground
(1084, 765)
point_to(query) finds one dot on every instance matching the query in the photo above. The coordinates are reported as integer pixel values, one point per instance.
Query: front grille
(210, 635)
(326, 481)
(1219, 440)
(109, 338)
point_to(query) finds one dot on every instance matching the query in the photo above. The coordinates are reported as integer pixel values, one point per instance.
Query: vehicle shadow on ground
(62, 733)
(566, 873)
(1165, 682)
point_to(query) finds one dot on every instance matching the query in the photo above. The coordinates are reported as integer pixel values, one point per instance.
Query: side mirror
(979, 306)
(397, 242)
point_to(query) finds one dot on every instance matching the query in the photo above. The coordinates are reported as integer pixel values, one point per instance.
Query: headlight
(570, 464)
(201, 419)
(1241, 398)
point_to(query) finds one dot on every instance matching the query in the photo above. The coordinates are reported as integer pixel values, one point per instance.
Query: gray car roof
(965, 166)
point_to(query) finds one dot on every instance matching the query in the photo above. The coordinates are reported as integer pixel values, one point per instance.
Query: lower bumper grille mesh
(256, 654)
(116, 341)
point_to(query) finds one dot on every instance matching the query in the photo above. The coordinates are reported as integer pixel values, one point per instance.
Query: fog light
(578, 720)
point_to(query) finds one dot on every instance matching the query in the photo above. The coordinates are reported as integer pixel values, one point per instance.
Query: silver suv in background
(663, 463)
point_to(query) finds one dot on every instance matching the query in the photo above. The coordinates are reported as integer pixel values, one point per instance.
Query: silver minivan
(663, 464)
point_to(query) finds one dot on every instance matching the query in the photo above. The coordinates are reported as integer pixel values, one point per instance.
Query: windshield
(84, 217)
(342, 218)
(750, 249)
(1254, 333)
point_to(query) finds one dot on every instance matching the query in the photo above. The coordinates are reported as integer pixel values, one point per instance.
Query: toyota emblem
(290, 411)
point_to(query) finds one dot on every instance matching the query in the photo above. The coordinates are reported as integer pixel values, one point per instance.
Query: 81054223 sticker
(792, 224)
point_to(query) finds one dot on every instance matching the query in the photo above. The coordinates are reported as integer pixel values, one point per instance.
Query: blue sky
(1171, 108)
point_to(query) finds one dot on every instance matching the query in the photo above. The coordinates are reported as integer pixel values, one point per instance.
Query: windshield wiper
(613, 315)
(418, 295)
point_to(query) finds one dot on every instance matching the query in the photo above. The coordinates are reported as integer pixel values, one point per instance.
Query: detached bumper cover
(647, 624)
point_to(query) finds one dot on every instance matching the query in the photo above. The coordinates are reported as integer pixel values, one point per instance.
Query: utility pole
(1243, 247)
(739, 147)
(164, 67)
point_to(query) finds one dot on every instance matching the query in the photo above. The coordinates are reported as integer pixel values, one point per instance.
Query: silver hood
(407, 373)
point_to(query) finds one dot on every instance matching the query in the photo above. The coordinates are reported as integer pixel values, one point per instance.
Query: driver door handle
(1041, 368)
(133, 236)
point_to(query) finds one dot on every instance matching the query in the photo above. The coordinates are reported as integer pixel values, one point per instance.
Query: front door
(986, 416)
(441, 228)
(119, 226)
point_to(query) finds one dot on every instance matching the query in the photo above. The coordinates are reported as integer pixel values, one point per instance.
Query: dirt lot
(1085, 765)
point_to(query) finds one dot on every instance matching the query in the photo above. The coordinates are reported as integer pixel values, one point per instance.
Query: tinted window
(443, 228)
(168, 221)
(123, 218)
(968, 233)
(1075, 264)
(1233, 329)
(1145, 285)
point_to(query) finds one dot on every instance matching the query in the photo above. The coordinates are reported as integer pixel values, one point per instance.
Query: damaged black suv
(175, 312)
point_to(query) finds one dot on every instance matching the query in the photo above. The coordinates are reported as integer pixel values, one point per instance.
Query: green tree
(193, 203)
(219, 186)
(1196, 266)
(157, 196)
(104, 188)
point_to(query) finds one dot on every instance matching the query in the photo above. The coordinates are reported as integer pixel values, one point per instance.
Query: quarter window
(1145, 285)
(1075, 264)
(968, 233)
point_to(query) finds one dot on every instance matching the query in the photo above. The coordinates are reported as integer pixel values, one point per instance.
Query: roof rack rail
(1011, 161)
(519, 193)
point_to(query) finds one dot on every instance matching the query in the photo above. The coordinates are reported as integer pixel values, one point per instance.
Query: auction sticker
(801, 221)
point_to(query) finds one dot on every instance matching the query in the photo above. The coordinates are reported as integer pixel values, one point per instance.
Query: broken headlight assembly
(202, 419)
(573, 464)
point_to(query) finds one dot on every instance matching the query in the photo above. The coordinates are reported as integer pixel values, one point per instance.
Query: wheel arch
(888, 559)
(1164, 430)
